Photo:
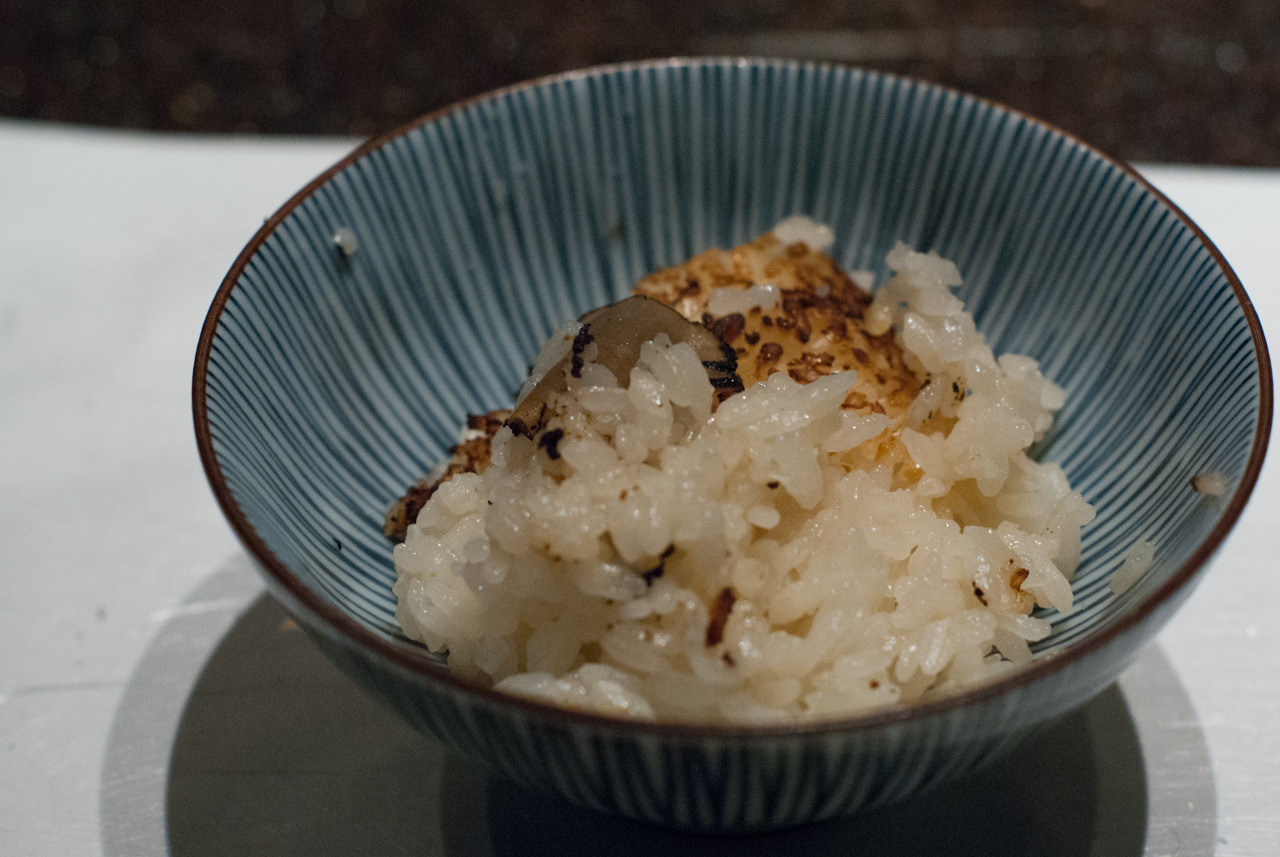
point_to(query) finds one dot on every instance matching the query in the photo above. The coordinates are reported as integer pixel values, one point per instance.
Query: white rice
(591, 580)
(1136, 563)
(727, 300)
(1212, 483)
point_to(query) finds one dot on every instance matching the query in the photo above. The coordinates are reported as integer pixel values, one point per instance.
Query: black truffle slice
(619, 330)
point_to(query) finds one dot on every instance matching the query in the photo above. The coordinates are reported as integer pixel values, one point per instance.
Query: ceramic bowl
(328, 378)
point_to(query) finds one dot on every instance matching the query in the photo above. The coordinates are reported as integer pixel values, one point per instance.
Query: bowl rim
(334, 621)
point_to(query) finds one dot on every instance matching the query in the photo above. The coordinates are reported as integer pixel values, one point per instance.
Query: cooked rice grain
(769, 560)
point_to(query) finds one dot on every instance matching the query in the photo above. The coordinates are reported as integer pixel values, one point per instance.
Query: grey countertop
(154, 701)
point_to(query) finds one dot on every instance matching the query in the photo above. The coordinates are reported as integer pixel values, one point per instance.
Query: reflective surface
(274, 751)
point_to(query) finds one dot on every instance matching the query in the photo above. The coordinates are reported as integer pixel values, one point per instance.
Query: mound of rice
(771, 559)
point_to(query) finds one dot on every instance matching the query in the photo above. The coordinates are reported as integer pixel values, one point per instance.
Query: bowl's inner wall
(336, 381)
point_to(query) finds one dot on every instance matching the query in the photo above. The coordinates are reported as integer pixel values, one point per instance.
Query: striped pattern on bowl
(326, 383)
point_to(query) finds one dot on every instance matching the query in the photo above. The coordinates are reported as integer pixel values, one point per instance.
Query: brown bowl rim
(407, 658)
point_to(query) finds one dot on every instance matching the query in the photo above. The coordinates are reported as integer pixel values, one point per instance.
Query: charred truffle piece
(618, 331)
(815, 327)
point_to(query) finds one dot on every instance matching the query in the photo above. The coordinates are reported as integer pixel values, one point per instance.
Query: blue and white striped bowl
(326, 383)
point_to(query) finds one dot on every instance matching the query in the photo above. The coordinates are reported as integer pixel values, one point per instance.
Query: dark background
(1180, 81)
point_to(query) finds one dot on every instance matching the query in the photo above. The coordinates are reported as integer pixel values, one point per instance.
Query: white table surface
(129, 613)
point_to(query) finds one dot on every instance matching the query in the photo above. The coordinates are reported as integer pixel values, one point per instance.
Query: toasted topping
(658, 570)
(550, 441)
(815, 328)
(720, 610)
(471, 455)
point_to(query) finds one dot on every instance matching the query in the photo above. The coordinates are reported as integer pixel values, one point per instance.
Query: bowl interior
(334, 381)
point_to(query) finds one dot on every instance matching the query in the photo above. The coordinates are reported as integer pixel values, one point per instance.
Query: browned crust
(816, 329)
(470, 456)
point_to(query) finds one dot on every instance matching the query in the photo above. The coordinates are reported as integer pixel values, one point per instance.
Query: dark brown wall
(1174, 81)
